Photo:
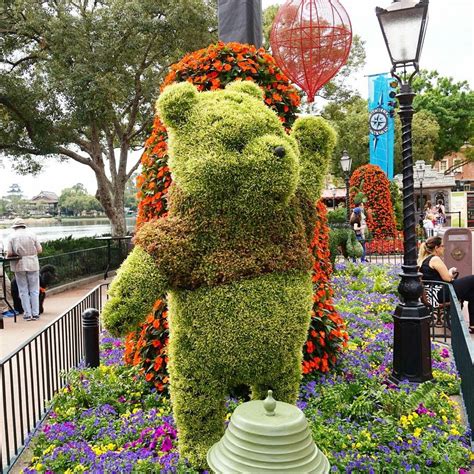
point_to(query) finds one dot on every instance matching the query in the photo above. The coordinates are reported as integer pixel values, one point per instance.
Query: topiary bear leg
(199, 411)
(285, 385)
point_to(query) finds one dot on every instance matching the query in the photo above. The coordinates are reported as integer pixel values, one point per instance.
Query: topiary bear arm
(133, 292)
(316, 141)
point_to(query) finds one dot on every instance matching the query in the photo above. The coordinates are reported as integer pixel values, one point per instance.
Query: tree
(130, 196)
(350, 120)
(452, 103)
(79, 79)
(75, 200)
(425, 136)
(15, 199)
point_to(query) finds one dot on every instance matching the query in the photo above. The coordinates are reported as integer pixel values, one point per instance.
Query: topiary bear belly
(237, 331)
(195, 250)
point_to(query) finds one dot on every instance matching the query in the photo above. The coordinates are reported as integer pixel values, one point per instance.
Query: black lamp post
(403, 26)
(420, 174)
(346, 164)
(333, 190)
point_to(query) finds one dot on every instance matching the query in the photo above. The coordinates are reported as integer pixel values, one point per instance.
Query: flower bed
(110, 420)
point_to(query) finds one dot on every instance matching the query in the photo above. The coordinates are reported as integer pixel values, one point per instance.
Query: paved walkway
(15, 334)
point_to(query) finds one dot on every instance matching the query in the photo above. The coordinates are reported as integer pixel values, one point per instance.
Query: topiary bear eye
(279, 151)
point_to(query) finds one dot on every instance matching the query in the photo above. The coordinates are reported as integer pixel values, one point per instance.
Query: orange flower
(149, 376)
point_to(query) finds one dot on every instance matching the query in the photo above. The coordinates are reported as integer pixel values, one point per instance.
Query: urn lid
(267, 436)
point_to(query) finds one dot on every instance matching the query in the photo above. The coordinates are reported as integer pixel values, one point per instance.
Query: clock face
(378, 121)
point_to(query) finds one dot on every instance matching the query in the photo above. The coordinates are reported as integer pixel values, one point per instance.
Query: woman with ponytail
(434, 269)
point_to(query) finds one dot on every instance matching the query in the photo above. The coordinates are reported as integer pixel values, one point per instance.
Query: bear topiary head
(228, 148)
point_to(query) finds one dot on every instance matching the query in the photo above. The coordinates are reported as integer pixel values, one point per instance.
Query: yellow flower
(38, 467)
(417, 432)
(49, 449)
(444, 418)
(454, 432)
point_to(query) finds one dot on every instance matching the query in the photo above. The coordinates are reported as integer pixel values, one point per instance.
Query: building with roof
(44, 204)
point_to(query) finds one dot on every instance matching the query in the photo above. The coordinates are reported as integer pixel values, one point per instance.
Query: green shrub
(337, 216)
(69, 244)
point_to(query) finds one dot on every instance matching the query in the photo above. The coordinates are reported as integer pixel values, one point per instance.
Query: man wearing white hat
(25, 244)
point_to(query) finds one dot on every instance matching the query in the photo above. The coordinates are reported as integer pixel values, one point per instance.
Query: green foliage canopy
(79, 80)
(425, 136)
(76, 199)
(452, 103)
(350, 120)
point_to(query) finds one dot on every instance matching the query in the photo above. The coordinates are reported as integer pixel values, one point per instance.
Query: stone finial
(269, 404)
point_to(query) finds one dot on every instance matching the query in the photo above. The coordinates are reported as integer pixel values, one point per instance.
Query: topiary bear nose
(279, 151)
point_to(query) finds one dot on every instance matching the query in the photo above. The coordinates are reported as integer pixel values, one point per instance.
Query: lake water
(75, 228)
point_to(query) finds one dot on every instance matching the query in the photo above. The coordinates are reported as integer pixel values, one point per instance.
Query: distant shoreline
(42, 221)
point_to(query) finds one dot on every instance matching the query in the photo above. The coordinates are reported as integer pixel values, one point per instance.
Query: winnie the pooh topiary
(232, 255)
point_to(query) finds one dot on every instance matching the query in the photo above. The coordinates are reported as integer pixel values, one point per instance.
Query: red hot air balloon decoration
(310, 41)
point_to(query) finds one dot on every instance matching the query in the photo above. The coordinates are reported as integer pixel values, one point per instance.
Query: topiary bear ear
(316, 140)
(245, 87)
(176, 103)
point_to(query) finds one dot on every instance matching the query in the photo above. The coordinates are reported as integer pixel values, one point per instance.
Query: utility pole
(240, 21)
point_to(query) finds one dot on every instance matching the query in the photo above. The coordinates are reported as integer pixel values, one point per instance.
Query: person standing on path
(4, 309)
(359, 225)
(24, 244)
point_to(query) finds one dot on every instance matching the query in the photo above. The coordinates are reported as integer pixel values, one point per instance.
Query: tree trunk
(112, 199)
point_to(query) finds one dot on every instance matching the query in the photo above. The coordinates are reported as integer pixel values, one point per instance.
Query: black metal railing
(32, 374)
(463, 350)
(448, 323)
(72, 266)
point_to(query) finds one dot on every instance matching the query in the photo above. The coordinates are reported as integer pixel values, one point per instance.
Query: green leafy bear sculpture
(232, 255)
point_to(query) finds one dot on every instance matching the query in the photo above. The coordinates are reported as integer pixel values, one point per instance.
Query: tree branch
(457, 165)
(111, 153)
(144, 126)
(14, 64)
(76, 157)
(20, 149)
(133, 169)
(9, 105)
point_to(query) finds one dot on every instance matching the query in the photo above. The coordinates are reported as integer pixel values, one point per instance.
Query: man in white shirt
(25, 245)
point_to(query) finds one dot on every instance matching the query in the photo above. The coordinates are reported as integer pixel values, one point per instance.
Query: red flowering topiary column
(209, 69)
(372, 181)
(327, 333)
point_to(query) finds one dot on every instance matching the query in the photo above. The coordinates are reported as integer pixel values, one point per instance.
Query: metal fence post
(90, 334)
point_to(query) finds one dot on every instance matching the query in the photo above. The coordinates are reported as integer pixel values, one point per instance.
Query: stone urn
(267, 436)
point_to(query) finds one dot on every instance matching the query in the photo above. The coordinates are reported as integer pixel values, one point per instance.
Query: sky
(448, 48)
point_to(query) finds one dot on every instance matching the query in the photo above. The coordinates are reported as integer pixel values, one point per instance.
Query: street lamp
(346, 163)
(420, 174)
(403, 26)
